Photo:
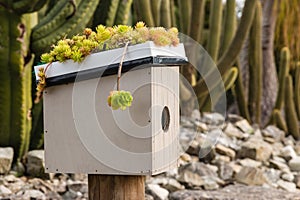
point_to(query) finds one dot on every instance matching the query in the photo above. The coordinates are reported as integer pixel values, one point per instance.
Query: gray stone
(247, 162)
(294, 164)
(196, 115)
(221, 149)
(213, 118)
(200, 126)
(33, 194)
(235, 192)
(272, 176)
(288, 186)
(6, 158)
(4, 190)
(288, 177)
(251, 176)
(225, 171)
(279, 165)
(197, 174)
(35, 165)
(244, 126)
(288, 153)
(193, 148)
(297, 180)
(255, 149)
(148, 197)
(232, 131)
(157, 192)
(173, 185)
(273, 132)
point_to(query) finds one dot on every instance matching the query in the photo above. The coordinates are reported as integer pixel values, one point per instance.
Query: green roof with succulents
(105, 38)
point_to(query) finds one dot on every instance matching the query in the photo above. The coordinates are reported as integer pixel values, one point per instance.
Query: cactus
(283, 73)
(123, 12)
(71, 26)
(185, 9)
(15, 76)
(239, 92)
(143, 11)
(279, 121)
(216, 93)
(255, 65)
(198, 19)
(297, 89)
(290, 110)
(230, 55)
(215, 23)
(229, 25)
(155, 8)
(165, 19)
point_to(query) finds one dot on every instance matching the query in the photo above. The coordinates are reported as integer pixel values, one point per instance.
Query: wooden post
(116, 187)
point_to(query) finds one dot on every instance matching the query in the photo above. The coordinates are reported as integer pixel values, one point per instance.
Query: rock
(221, 149)
(186, 123)
(225, 171)
(232, 131)
(33, 194)
(294, 164)
(247, 162)
(212, 118)
(244, 126)
(6, 158)
(36, 163)
(197, 174)
(185, 157)
(288, 186)
(251, 176)
(297, 180)
(157, 192)
(288, 177)
(208, 154)
(273, 132)
(173, 185)
(148, 197)
(196, 115)
(200, 126)
(235, 192)
(78, 186)
(220, 158)
(236, 167)
(4, 191)
(279, 165)
(255, 149)
(288, 153)
(272, 176)
(233, 118)
(193, 148)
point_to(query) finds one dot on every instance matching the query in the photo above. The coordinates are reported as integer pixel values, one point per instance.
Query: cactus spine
(290, 110)
(255, 65)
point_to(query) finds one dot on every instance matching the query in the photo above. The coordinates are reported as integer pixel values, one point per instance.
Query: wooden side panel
(165, 93)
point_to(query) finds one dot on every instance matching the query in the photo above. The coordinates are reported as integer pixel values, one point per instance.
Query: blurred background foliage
(256, 50)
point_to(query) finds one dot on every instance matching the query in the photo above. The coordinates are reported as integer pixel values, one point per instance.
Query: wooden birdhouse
(83, 134)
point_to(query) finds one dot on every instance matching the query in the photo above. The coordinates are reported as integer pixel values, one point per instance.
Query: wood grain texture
(119, 187)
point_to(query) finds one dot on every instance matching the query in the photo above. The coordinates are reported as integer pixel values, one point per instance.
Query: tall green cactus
(215, 23)
(255, 65)
(283, 73)
(290, 110)
(297, 89)
(15, 73)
